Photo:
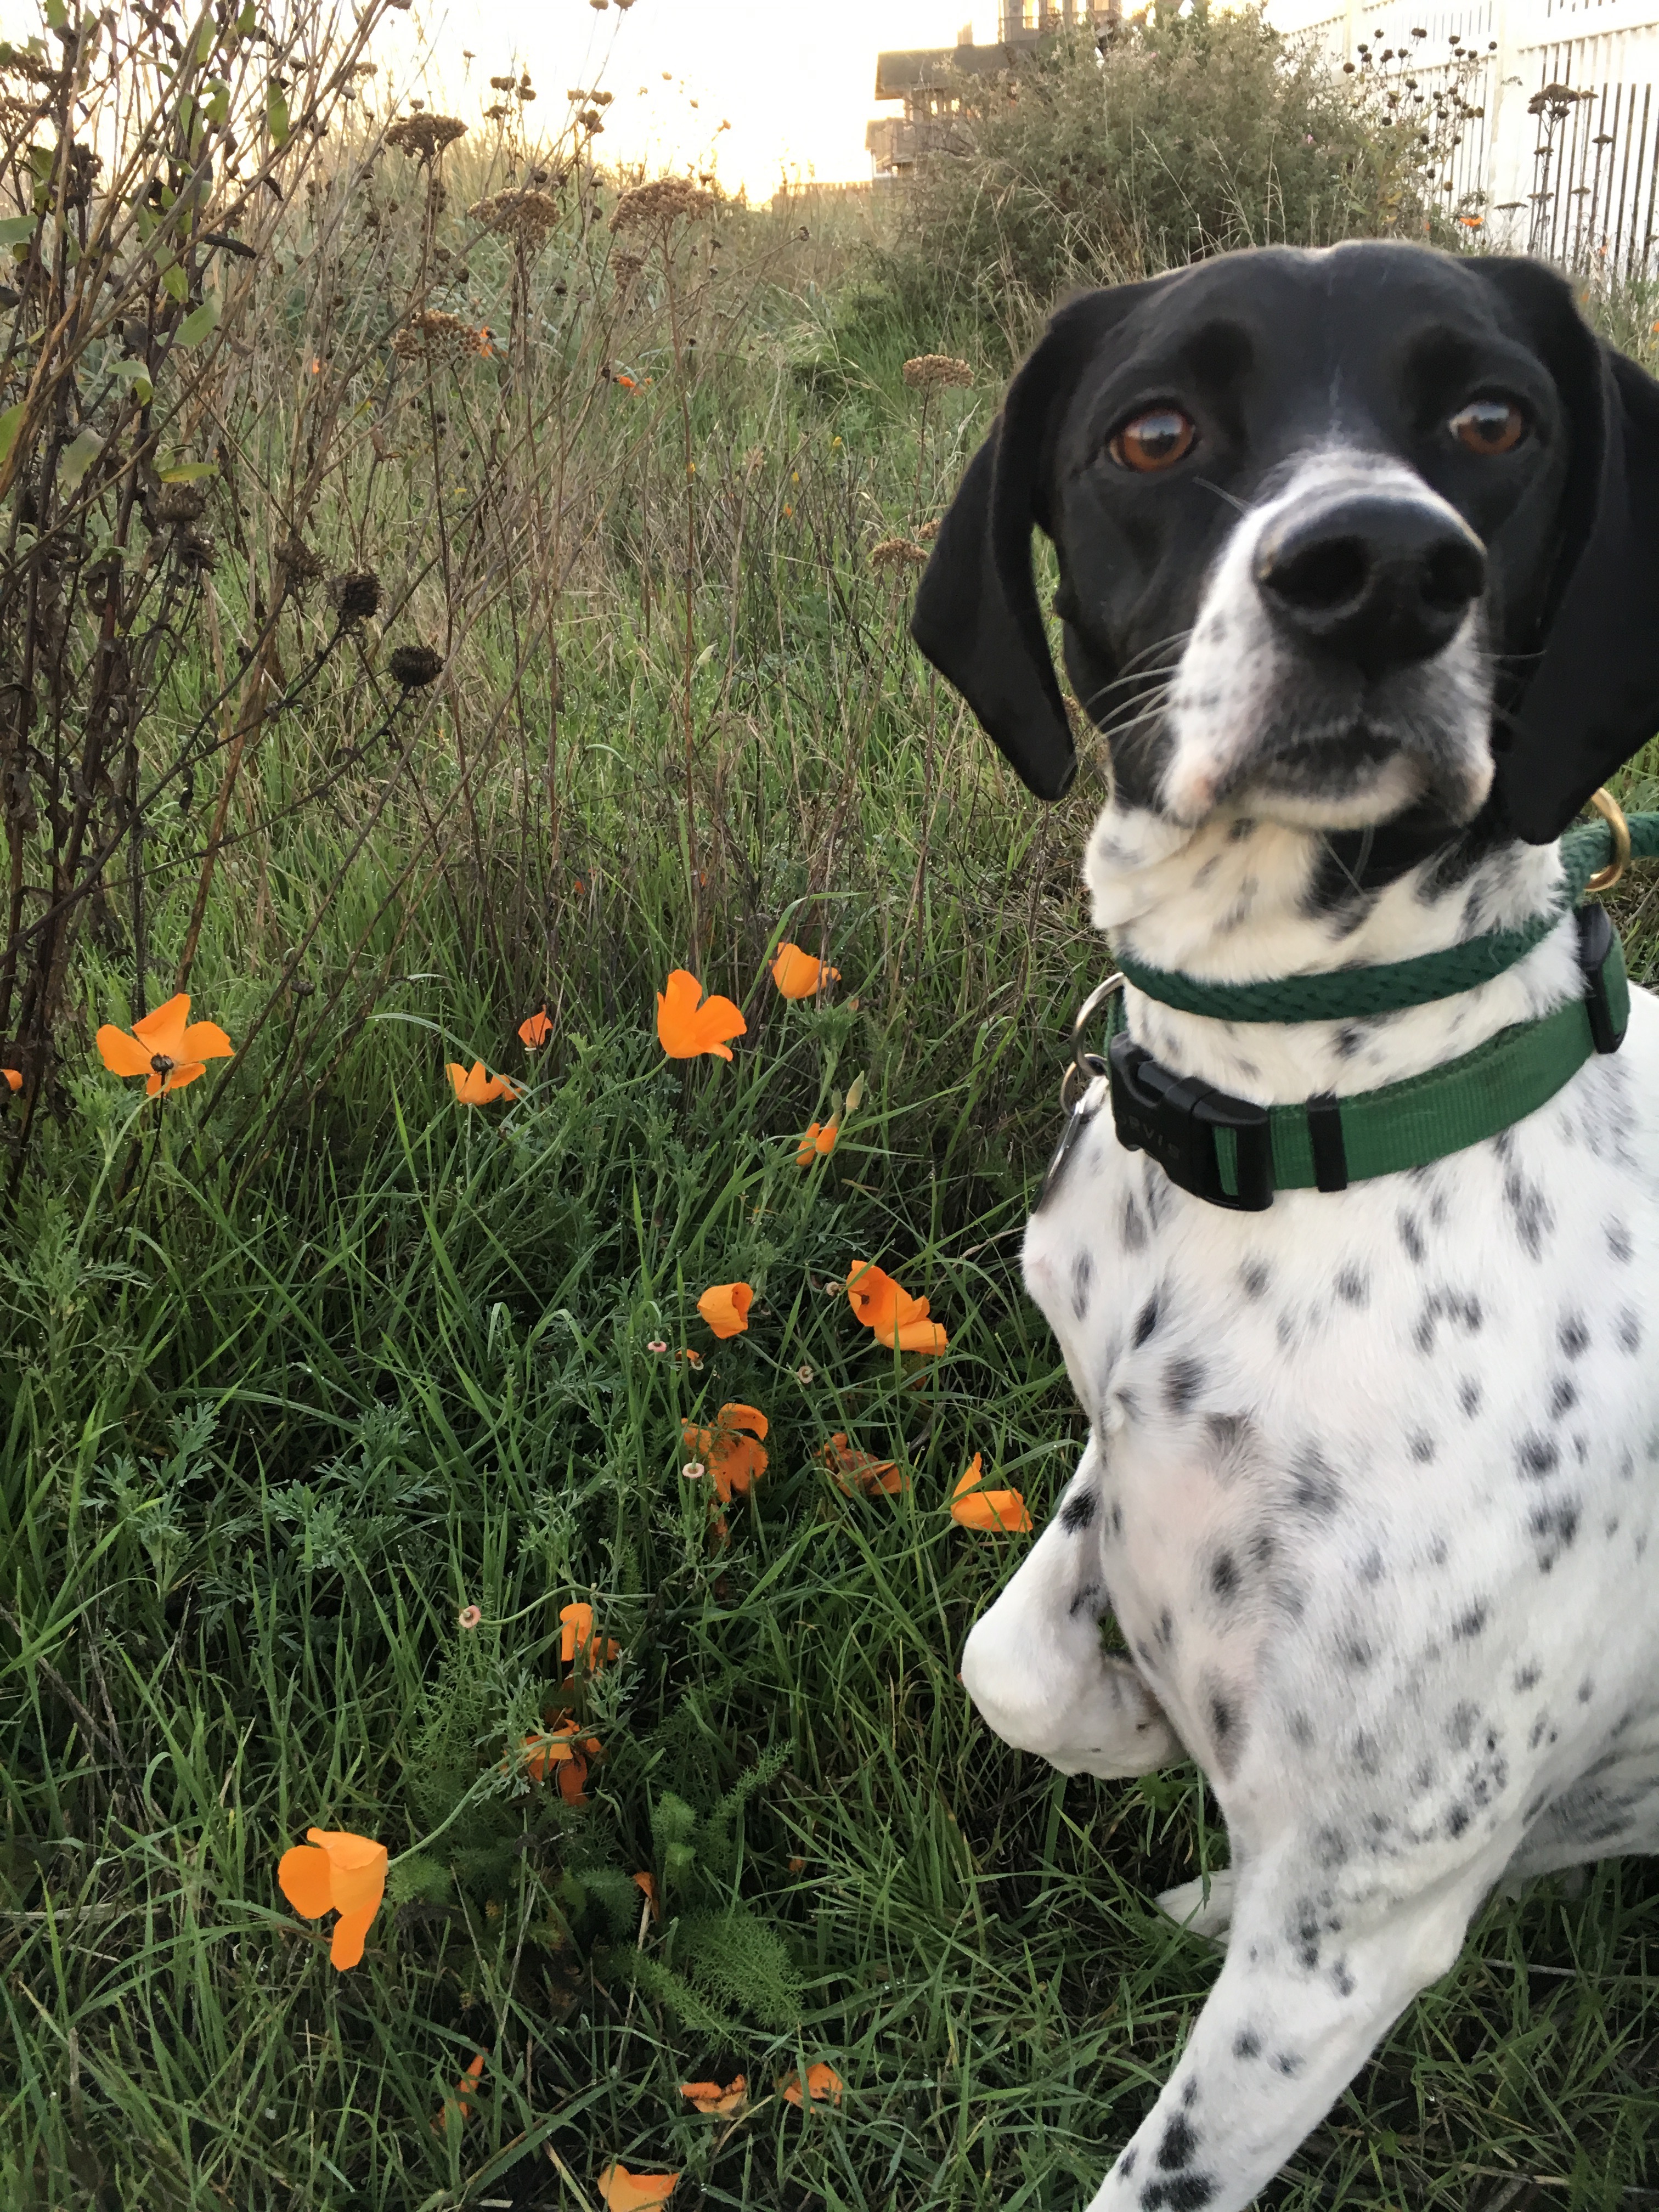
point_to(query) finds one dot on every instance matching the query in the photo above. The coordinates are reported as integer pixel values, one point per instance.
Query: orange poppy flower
(13, 1079)
(897, 1318)
(167, 1046)
(822, 2081)
(576, 1634)
(709, 2097)
(473, 1087)
(535, 1029)
(647, 1883)
(850, 1467)
(733, 1459)
(797, 974)
(973, 1507)
(560, 1750)
(336, 1871)
(457, 2107)
(686, 1028)
(726, 1306)
(623, 2191)
(818, 1142)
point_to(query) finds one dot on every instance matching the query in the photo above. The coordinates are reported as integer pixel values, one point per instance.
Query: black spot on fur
(1086, 1596)
(1456, 1821)
(1247, 2044)
(1353, 1286)
(1411, 1237)
(1341, 1980)
(1182, 1381)
(1078, 1510)
(1348, 1040)
(1422, 1447)
(1116, 1518)
(1083, 1268)
(1536, 1456)
(1145, 1323)
(1179, 2145)
(1133, 1227)
(1554, 1527)
(1182, 2193)
(1126, 2165)
(1356, 1654)
(1470, 1624)
(1629, 1330)
(1301, 1729)
(1530, 1211)
(1468, 1396)
(1371, 1567)
(1166, 1628)
(1459, 1728)
(1618, 1243)
(1564, 1397)
(1586, 1691)
(1224, 1576)
(1573, 1336)
(1289, 2063)
(1315, 1491)
(1254, 1279)
(1528, 1678)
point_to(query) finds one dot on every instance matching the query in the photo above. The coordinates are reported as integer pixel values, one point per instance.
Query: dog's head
(1363, 536)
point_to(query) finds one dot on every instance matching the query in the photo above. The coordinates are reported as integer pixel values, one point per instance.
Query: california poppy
(733, 1459)
(685, 1028)
(336, 1871)
(576, 1634)
(818, 1143)
(167, 1046)
(822, 2081)
(560, 1750)
(535, 1029)
(724, 1307)
(897, 1318)
(458, 2107)
(709, 2097)
(850, 1467)
(13, 1077)
(623, 2191)
(973, 1508)
(473, 1087)
(797, 974)
(647, 1883)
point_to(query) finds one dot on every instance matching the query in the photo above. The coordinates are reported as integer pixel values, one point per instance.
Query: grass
(303, 1361)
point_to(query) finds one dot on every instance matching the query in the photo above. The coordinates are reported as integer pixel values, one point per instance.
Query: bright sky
(795, 80)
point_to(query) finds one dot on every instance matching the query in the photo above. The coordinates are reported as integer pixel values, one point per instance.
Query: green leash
(1235, 1154)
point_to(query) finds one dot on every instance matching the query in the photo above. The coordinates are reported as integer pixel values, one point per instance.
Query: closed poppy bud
(724, 1307)
(818, 1143)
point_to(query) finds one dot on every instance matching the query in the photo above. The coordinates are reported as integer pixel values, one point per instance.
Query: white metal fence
(1575, 178)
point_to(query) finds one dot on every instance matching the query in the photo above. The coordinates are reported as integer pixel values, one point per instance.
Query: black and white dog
(1359, 575)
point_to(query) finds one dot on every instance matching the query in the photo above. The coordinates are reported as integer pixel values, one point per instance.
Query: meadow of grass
(303, 1361)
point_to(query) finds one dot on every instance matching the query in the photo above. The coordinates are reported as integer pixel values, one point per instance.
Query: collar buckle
(1203, 1138)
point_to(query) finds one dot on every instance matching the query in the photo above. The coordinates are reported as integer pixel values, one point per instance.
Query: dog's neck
(1239, 901)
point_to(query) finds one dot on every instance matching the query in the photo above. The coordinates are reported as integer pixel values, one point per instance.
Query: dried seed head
(179, 503)
(897, 553)
(655, 206)
(624, 267)
(194, 548)
(303, 566)
(425, 136)
(444, 337)
(928, 532)
(528, 215)
(927, 370)
(415, 666)
(502, 83)
(356, 595)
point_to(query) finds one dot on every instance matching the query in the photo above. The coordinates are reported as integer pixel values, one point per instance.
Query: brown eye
(1157, 439)
(1490, 426)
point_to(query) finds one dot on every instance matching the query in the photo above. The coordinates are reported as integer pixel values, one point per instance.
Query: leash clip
(1191, 1129)
(1082, 1062)
(1604, 879)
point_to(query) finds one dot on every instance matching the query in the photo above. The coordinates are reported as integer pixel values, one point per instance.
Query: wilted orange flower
(818, 1142)
(973, 1508)
(797, 973)
(733, 1459)
(623, 2191)
(537, 1028)
(473, 1087)
(576, 1634)
(822, 2081)
(648, 1883)
(336, 1871)
(849, 1467)
(562, 1750)
(709, 2097)
(166, 1046)
(686, 1028)
(458, 2108)
(724, 1307)
(897, 1318)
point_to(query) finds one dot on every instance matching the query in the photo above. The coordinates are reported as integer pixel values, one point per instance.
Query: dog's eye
(1156, 439)
(1490, 426)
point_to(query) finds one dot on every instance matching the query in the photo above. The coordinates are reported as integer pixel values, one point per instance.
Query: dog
(1358, 558)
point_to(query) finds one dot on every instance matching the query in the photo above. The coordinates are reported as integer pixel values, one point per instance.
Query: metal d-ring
(1613, 815)
(1096, 1066)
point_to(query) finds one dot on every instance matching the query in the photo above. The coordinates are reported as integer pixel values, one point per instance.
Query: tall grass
(304, 1359)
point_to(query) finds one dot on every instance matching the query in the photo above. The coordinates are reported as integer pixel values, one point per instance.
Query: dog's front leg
(1034, 1664)
(1305, 1995)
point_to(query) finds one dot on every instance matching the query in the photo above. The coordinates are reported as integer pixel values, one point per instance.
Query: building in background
(929, 79)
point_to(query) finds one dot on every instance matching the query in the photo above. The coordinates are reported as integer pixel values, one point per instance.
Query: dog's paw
(1204, 1907)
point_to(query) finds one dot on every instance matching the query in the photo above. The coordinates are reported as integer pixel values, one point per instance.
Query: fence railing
(1561, 156)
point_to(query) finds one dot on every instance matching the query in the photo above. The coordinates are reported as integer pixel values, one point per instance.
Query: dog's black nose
(1372, 578)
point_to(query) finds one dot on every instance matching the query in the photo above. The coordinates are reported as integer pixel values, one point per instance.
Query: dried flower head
(927, 370)
(897, 553)
(179, 503)
(425, 136)
(355, 596)
(529, 216)
(665, 201)
(928, 532)
(442, 336)
(502, 83)
(302, 565)
(195, 549)
(415, 666)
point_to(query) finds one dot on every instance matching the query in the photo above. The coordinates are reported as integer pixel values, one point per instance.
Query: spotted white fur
(1371, 1481)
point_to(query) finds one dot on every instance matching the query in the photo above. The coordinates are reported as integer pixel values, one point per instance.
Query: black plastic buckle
(1598, 946)
(1175, 1119)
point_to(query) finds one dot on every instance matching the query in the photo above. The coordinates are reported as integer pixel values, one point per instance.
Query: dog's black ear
(1592, 697)
(976, 616)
